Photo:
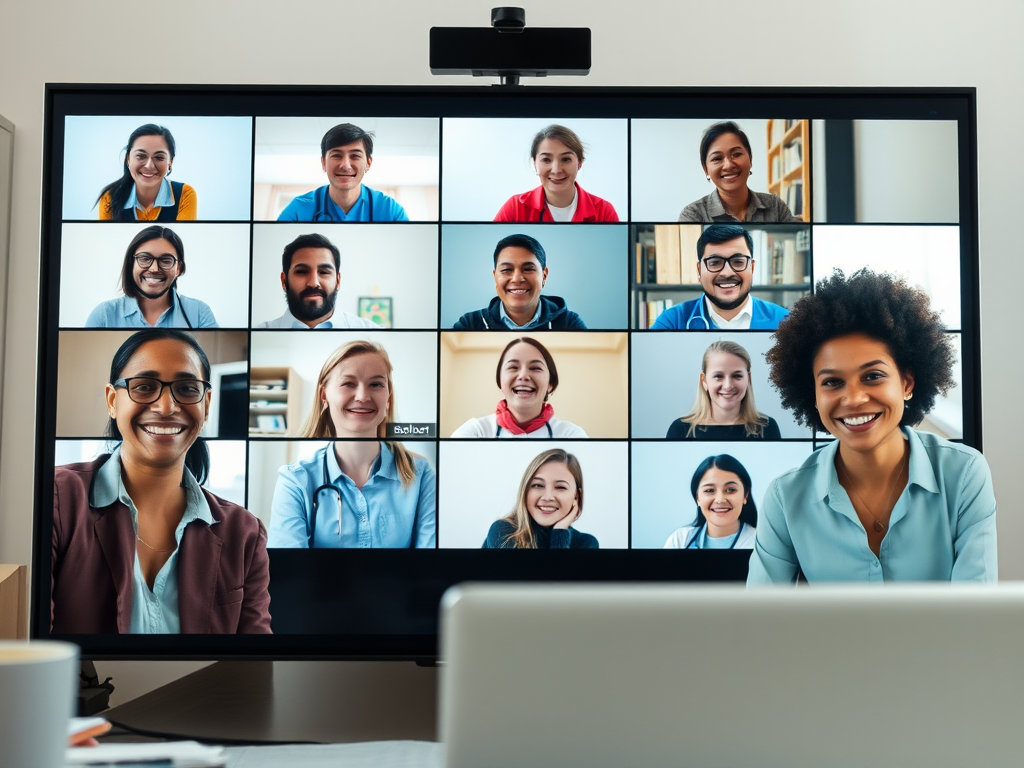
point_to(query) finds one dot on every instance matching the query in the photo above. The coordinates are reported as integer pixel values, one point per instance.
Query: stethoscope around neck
(323, 209)
(703, 527)
(698, 314)
(327, 485)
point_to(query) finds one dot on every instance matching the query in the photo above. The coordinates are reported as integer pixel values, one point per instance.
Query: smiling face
(152, 281)
(721, 497)
(345, 166)
(859, 392)
(725, 380)
(557, 166)
(551, 494)
(158, 434)
(525, 381)
(518, 280)
(728, 289)
(311, 285)
(357, 395)
(149, 160)
(727, 163)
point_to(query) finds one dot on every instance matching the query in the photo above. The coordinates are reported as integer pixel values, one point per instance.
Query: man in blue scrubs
(725, 265)
(346, 154)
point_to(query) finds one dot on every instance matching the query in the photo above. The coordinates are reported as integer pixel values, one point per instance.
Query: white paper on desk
(371, 754)
(182, 754)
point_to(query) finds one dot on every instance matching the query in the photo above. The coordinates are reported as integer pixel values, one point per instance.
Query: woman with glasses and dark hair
(727, 160)
(153, 262)
(139, 546)
(143, 193)
(726, 513)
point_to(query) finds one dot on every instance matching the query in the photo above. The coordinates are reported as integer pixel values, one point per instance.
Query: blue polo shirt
(317, 206)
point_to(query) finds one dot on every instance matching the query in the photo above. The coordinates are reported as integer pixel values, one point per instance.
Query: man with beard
(153, 262)
(310, 280)
(725, 264)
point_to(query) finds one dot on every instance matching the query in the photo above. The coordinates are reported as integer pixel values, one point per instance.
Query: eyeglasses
(142, 389)
(165, 262)
(717, 263)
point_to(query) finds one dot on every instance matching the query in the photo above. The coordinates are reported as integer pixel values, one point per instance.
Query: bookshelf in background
(665, 266)
(789, 168)
(275, 400)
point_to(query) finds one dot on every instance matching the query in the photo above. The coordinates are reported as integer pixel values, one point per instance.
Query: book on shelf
(795, 197)
(672, 259)
(792, 155)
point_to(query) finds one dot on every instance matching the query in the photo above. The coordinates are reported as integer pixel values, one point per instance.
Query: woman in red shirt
(557, 155)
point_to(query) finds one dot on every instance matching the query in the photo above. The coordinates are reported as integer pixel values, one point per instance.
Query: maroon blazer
(223, 569)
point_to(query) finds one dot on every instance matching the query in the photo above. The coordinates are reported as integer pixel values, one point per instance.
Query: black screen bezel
(405, 581)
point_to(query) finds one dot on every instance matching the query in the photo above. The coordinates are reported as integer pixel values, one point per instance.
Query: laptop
(706, 676)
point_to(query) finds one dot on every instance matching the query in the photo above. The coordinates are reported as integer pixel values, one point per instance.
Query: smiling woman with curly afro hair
(880, 306)
(863, 358)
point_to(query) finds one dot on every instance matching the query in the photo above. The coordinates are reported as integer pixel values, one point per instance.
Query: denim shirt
(381, 514)
(154, 611)
(124, 312)
(942, 528)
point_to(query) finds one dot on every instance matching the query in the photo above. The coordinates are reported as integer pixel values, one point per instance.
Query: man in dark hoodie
(520, 271)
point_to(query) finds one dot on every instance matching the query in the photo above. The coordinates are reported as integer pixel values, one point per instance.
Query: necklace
(879, 526)
(154, 548)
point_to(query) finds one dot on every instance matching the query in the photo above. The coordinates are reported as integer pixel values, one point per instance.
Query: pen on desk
(154, 763)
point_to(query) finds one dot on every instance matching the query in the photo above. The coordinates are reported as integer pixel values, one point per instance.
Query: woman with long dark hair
(726, 514)
(144, 193)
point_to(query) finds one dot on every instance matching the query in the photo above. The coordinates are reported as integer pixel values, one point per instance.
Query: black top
(678, 429)
(547, 538)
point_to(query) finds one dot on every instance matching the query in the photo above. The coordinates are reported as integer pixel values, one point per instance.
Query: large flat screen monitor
(340, 277)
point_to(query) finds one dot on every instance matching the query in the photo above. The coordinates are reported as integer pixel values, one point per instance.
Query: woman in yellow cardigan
(143, 193)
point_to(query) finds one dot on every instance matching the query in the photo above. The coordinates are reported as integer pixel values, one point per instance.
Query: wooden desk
(13, 602)
(292, 701)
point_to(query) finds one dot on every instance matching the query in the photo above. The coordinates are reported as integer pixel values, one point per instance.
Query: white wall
(649, 42)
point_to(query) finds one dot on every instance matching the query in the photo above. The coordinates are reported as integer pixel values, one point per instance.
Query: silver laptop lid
(703, 676)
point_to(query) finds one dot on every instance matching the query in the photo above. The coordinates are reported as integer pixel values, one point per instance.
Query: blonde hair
(702, 410)
(319, 423)
(522, 537)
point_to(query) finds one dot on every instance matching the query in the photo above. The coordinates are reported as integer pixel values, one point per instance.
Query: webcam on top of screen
(509, 50)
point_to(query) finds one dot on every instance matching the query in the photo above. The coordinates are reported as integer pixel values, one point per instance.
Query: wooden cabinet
(275, 401)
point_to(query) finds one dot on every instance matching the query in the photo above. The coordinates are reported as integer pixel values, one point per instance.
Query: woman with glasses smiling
(139, 546)
(153, 261)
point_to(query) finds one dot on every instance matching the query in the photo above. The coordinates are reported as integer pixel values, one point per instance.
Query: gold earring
(908, 397)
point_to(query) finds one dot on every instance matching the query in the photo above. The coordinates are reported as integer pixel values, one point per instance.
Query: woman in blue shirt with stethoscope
(726, 513)
(355, 492)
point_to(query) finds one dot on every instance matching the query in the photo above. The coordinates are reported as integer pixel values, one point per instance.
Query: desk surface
(292, 701)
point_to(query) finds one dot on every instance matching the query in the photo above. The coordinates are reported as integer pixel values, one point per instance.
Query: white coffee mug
(37, 692)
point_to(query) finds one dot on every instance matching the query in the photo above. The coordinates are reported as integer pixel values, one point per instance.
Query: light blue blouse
(154, 611)
(381, 514)
(124, 312)
(942, 528)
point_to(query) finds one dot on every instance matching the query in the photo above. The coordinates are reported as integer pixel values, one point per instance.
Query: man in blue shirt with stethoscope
(725, 265)
(346, 154)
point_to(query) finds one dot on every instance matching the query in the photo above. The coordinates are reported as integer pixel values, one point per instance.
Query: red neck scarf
(507, 421)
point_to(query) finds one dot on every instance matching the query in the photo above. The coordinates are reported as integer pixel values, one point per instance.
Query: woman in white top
(726, 514)
(526, 376)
